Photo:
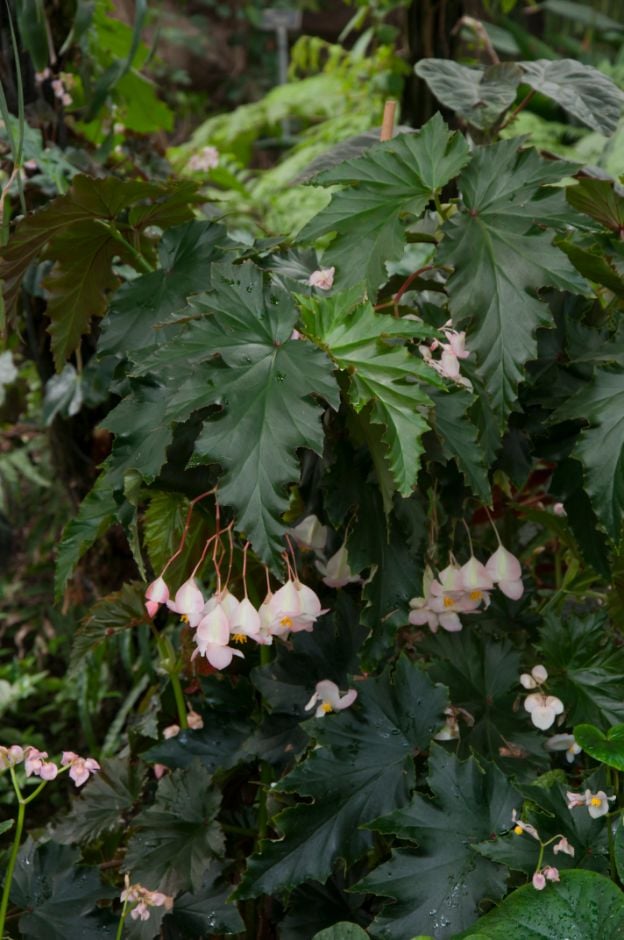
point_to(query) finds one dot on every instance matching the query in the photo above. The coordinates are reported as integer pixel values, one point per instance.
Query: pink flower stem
(187, 525)
(245, 550)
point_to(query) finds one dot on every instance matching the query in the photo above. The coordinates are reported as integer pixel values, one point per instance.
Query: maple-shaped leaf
(381, 371)
(241, 358)
(391, 181)
(460, 439)
(361, 767)
(502, 257)
(600, 446)
(437, 888)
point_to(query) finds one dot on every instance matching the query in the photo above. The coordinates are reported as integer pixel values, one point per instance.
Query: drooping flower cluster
(542, 708)
(452, 351)
(143, 899)
(36, 763)
(207, 159)
(327, 698)
(465, 590)
(311, 536)
(546, 873)
(597, 803)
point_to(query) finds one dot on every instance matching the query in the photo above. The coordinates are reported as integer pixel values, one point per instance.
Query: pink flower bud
(539, 881)
(552, 874)
(322, 279)
(48, 770)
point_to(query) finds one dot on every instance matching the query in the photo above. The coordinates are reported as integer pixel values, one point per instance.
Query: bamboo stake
(387, 125)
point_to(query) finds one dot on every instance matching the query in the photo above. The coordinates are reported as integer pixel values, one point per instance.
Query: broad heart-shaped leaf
(185, 254)
(479, 96)
(599, 199)
(362, 767)
(600, 447)
(437, 889)
(206, 912)
(103, 802)
(608, 749)
(586, 668)
(59, 895)
(582, 905)
(460, 440)
(501, 260)
(177, 836)
(394, 179)
(581, 90)
(382, 373)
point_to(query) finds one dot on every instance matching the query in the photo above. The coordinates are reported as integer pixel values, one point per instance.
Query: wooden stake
(387, 125)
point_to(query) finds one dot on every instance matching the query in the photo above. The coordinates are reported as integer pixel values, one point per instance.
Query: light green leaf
(343, 931)
(392, 180)
(608, 749)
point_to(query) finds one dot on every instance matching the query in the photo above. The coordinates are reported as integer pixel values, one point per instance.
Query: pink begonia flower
(188, 600)
(144, 899)
(506, 571)
(323, 278)
(47, 771)
(552, 874)
(475, 576)
(157, 593)
(449, 581)
(457, 342)
(309, 534)
(576, 799)
(328, 696)
(160, 770)
(537, 677)
(206, 159)
(539, 881)
(10, 756)
(597, 803)
(423, 612)
(543, 709)
(559, 509)
(564, 742)
(171, 731)
(246, 621)
(212, 637)
(336, 571)
(295, 335)
(80, 768)
(519, 827)
(195, 721)
(563, 846)
(34, 760)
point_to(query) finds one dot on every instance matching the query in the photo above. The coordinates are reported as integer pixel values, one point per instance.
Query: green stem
(142, 263)
(122, 920)
(439, 208)
(179, 699)
(237, 830)
(17, 838)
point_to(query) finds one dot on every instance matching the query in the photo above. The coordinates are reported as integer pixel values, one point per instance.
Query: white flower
(188, 600)
(309, 534)
(519, 827)
(505, 570)
(597, 803)
(475, 576)
(538, 677)
(563, 846)
(212, 637)
(564, 742)
(336, 573)
(322, 279)
(543, 709)
(195, 720)
(328, 696)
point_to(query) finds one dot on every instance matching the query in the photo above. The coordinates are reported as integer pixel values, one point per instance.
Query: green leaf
(600, 447)
(618, 845)
(33, 31)
(599, 199)
(142, 432)
(6, 824)
(437, 890)
(95, 515)
(608, 749)
(176, 837)
(382, 373)
(185, 254)
(361, 767)
(163, 524)
(217, 746)
(590, 260)
(392, 180)
(501, 258)
(104, 802)
(313, 907)
(582, 905)
(581, 90)
(343, 931)
(460, 439)
(59, 895)
(206, 912)
(480, 96)
(111, 615)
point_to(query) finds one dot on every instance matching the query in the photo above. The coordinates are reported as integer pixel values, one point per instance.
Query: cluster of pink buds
(207, 159)
(143, 899)
(36, 763)
(542, 875)
(452, 351)
(464, 590)
(58, 85)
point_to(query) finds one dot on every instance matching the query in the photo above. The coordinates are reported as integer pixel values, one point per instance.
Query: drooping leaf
(59, 895)
(362, 767)
(583, 904)
(437, 889)
(600, 447)
(392, 180)
(176, 838)
(383, 375)
(581, 90)
(501, 260)
(480, 96)
(600, 199)
(459, 438)
(103, 802)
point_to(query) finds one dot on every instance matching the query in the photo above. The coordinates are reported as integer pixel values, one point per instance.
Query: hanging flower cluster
(542, 708)
(543, 873)
(311, 536)
(465, 590)
(452, 351)
(143, 899)
(36, 763)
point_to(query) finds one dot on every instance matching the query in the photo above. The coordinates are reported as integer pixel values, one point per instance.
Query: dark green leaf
(104, 802)
(582, 905)
(599, 199)
(142, 434)
(217, 746)
(361, 768)
(206, 912)
(342, 931)
(391, 180)
(176, 837)
(459, 438)
(111, 615)
(96, 514)
(581, 90)
(314, 906)
(437, 890)
(480, 96)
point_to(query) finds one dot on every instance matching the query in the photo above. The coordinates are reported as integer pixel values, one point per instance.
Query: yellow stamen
(184, 618)
(239, 637)
(596, 801)
(449, 602)
(475, 595)
(286, 621)
(518, 830)
(326, 707)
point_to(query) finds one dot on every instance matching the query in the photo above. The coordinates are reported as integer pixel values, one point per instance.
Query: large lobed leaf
(393, 179)
(501, 259)
(437, 889)
(362, 767)
(104, 802)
